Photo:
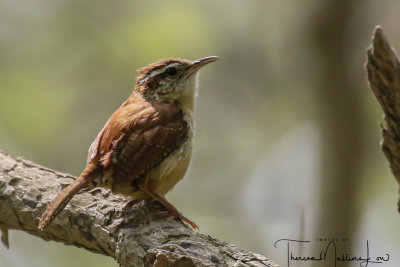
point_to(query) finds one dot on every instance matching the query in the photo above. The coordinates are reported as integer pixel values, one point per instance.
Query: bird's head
(171, 80)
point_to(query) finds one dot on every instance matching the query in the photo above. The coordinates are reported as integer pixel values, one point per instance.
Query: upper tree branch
(93, 220)
(383, 68)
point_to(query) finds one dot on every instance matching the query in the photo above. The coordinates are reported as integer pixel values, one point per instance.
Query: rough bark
(383, 70)
(93, 220)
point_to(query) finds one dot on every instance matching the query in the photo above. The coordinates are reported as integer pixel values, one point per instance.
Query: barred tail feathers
(62, 199)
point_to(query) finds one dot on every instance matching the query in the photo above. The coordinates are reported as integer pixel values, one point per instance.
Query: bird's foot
(130, 204)
(175, 214)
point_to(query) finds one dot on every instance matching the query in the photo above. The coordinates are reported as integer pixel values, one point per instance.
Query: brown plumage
(145, 146)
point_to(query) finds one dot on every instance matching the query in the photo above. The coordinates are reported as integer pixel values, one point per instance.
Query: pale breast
(172, 169)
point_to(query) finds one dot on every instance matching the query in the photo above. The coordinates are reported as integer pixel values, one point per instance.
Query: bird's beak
(199, 63)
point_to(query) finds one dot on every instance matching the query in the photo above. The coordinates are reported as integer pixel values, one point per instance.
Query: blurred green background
(287, 139)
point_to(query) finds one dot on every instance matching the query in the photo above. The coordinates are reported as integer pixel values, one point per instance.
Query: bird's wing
(137, 137)
(104, 138)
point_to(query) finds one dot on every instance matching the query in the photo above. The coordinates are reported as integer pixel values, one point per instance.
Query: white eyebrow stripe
(156, 72)
(172, 65)
(152, 74)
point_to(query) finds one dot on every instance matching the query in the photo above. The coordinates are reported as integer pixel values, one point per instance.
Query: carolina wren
(145, 146)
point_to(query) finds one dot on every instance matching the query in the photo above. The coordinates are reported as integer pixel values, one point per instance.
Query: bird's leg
(172, 211)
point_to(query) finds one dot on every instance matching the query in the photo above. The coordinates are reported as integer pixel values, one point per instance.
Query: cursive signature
(323, 256)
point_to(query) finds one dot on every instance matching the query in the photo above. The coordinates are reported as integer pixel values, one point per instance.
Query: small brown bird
(145, 146)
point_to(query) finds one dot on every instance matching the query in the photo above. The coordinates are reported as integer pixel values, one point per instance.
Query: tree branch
(383, 69)
(93, 220)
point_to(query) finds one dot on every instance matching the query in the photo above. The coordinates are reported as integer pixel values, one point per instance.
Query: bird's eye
(171, 72)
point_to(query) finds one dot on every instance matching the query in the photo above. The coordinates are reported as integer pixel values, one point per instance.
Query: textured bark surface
(93, 220)
(383, 68)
